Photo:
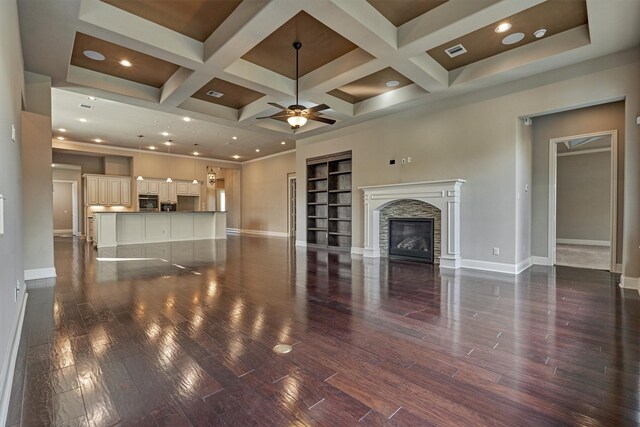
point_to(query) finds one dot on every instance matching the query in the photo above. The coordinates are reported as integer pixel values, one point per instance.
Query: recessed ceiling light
(151, 147)
(236, 156)
(513, 38)
(505, 26)
(234, 137)
(93, 98)
(257, 150)
(92, 54)
(186, 119)
(165, 133)
(62, 129)
(282, 143)
(125, 63)
(540, 33)
(392, 83)
(61, 138)
(83, 120)
(195, 153)
(97, 140)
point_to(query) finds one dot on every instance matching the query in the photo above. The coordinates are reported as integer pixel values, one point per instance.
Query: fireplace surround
(443, 195)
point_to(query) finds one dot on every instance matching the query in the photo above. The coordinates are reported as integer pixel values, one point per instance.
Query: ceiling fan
(297, 115)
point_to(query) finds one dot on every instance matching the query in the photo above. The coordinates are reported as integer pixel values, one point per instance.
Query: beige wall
(584, 196)
(264, 193)
(474, 137)
(64, 174)
(11, 260)
(114, 165)
(603, 117)
(62, 206)
(37, 189)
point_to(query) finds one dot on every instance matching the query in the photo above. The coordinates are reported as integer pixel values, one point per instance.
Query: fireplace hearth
(411, 239)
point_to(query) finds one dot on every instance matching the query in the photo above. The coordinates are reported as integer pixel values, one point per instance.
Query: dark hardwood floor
(184, 334)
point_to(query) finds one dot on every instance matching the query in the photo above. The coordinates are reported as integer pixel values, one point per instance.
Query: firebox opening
(411, 238)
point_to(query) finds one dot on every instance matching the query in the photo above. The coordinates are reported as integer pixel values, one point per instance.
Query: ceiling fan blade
(318, 108)
(277, 115)
(322, 119)
(277, 105)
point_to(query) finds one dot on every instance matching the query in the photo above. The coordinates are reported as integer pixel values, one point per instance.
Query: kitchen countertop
(162, 212)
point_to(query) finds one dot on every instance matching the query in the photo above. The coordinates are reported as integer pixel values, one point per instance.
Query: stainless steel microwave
(148, 202)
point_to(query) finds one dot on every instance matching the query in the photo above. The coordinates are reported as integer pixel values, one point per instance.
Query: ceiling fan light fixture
(297, 121)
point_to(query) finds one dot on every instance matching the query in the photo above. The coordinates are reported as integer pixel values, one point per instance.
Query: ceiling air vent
(456, 50)
(87, 106)
(215, 94)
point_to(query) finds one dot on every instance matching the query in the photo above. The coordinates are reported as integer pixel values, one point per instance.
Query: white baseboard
(630, 282)
(40, 273)
(357, 251)
(540, 260)
(265, 233)
(8, 367)
(233, 230)
(63, 231)
(301, 243)
(523, 265)
(497, 267)
(583, 242)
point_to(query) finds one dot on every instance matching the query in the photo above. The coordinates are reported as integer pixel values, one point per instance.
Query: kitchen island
(130, 228)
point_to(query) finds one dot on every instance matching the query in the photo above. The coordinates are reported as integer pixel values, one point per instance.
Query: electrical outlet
(496, 251)
(409, 159)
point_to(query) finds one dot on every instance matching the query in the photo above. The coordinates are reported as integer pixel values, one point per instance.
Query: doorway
(583, 200)
(292, 206)
(65, 207)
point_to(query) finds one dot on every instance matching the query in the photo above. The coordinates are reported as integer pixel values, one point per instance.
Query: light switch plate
(13, 133)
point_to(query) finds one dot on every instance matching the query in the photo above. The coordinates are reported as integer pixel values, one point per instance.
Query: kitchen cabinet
(103, 191)
(154, 187)
(168, 192)
(107, 190)
(143, 187)
(148, 186)
(91, 190)
(194, 189)
(182, 188)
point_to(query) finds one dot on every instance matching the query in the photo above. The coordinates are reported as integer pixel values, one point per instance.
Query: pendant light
(211, 175)
(169, 159)
(140, 178)
(195, 153)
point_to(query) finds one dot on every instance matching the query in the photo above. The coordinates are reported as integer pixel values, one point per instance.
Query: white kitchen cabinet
(143, 187)
(194, 189)
(114, 191)
(168, 193)
(182, 188)
(91, 191)
(154, 187)
(125, 191)
(107, 190)
(103, 191)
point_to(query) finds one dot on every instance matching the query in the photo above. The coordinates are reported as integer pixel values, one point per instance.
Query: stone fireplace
(436, 200)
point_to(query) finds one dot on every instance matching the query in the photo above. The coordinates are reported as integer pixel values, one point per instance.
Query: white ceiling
(125, 109)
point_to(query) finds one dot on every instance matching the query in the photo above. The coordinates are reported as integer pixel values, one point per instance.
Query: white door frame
(74, 203)
(553, 178)
(290, 206)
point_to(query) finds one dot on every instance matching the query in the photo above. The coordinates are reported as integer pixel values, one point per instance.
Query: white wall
(474, 137)
(11, 263)
(265, 193)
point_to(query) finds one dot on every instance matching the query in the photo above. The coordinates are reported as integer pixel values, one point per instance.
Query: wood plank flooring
(182, 334)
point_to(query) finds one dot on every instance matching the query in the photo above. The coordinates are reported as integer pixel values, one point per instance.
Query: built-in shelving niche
(329, 201)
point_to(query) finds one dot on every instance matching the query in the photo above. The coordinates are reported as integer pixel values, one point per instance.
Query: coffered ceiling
(182, 49)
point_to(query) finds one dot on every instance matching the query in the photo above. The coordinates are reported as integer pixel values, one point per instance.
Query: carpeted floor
(583, 256)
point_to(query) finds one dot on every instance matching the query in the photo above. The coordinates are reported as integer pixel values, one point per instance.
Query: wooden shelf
(333, 172)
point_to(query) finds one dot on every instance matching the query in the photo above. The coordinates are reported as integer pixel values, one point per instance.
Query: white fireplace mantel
(444, 195)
